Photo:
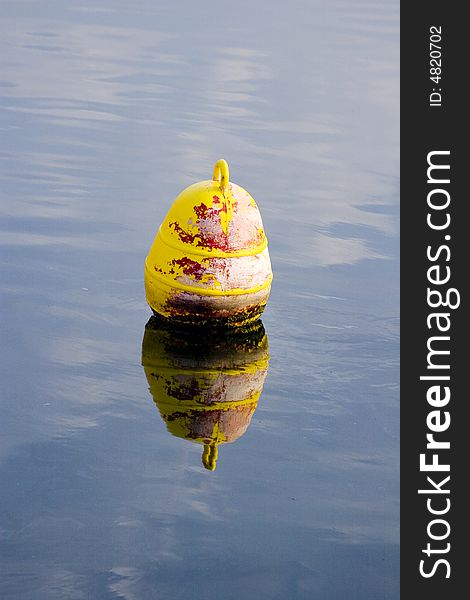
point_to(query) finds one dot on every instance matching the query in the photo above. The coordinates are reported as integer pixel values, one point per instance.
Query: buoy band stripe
(177, 406)
(207, 291)
(246, 369)
(188, 249)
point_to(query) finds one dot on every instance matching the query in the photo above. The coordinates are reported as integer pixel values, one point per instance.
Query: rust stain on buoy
(209, 260)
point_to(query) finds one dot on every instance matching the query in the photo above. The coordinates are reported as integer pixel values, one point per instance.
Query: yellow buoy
(209, 261)
(206, 385)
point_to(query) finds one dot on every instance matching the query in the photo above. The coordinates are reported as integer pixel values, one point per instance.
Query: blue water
(107, 110)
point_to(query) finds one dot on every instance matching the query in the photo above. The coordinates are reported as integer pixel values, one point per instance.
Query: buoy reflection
(206, 383)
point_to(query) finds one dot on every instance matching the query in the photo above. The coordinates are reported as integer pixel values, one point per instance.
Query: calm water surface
(107, 110)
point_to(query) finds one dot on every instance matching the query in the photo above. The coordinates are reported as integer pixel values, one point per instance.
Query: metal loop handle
(221, 173)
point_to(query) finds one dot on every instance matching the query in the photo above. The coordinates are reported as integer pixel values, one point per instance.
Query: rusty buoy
(206, 384)
(209, 261)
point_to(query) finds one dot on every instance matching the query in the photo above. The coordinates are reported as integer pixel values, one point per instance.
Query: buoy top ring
(221, 173)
